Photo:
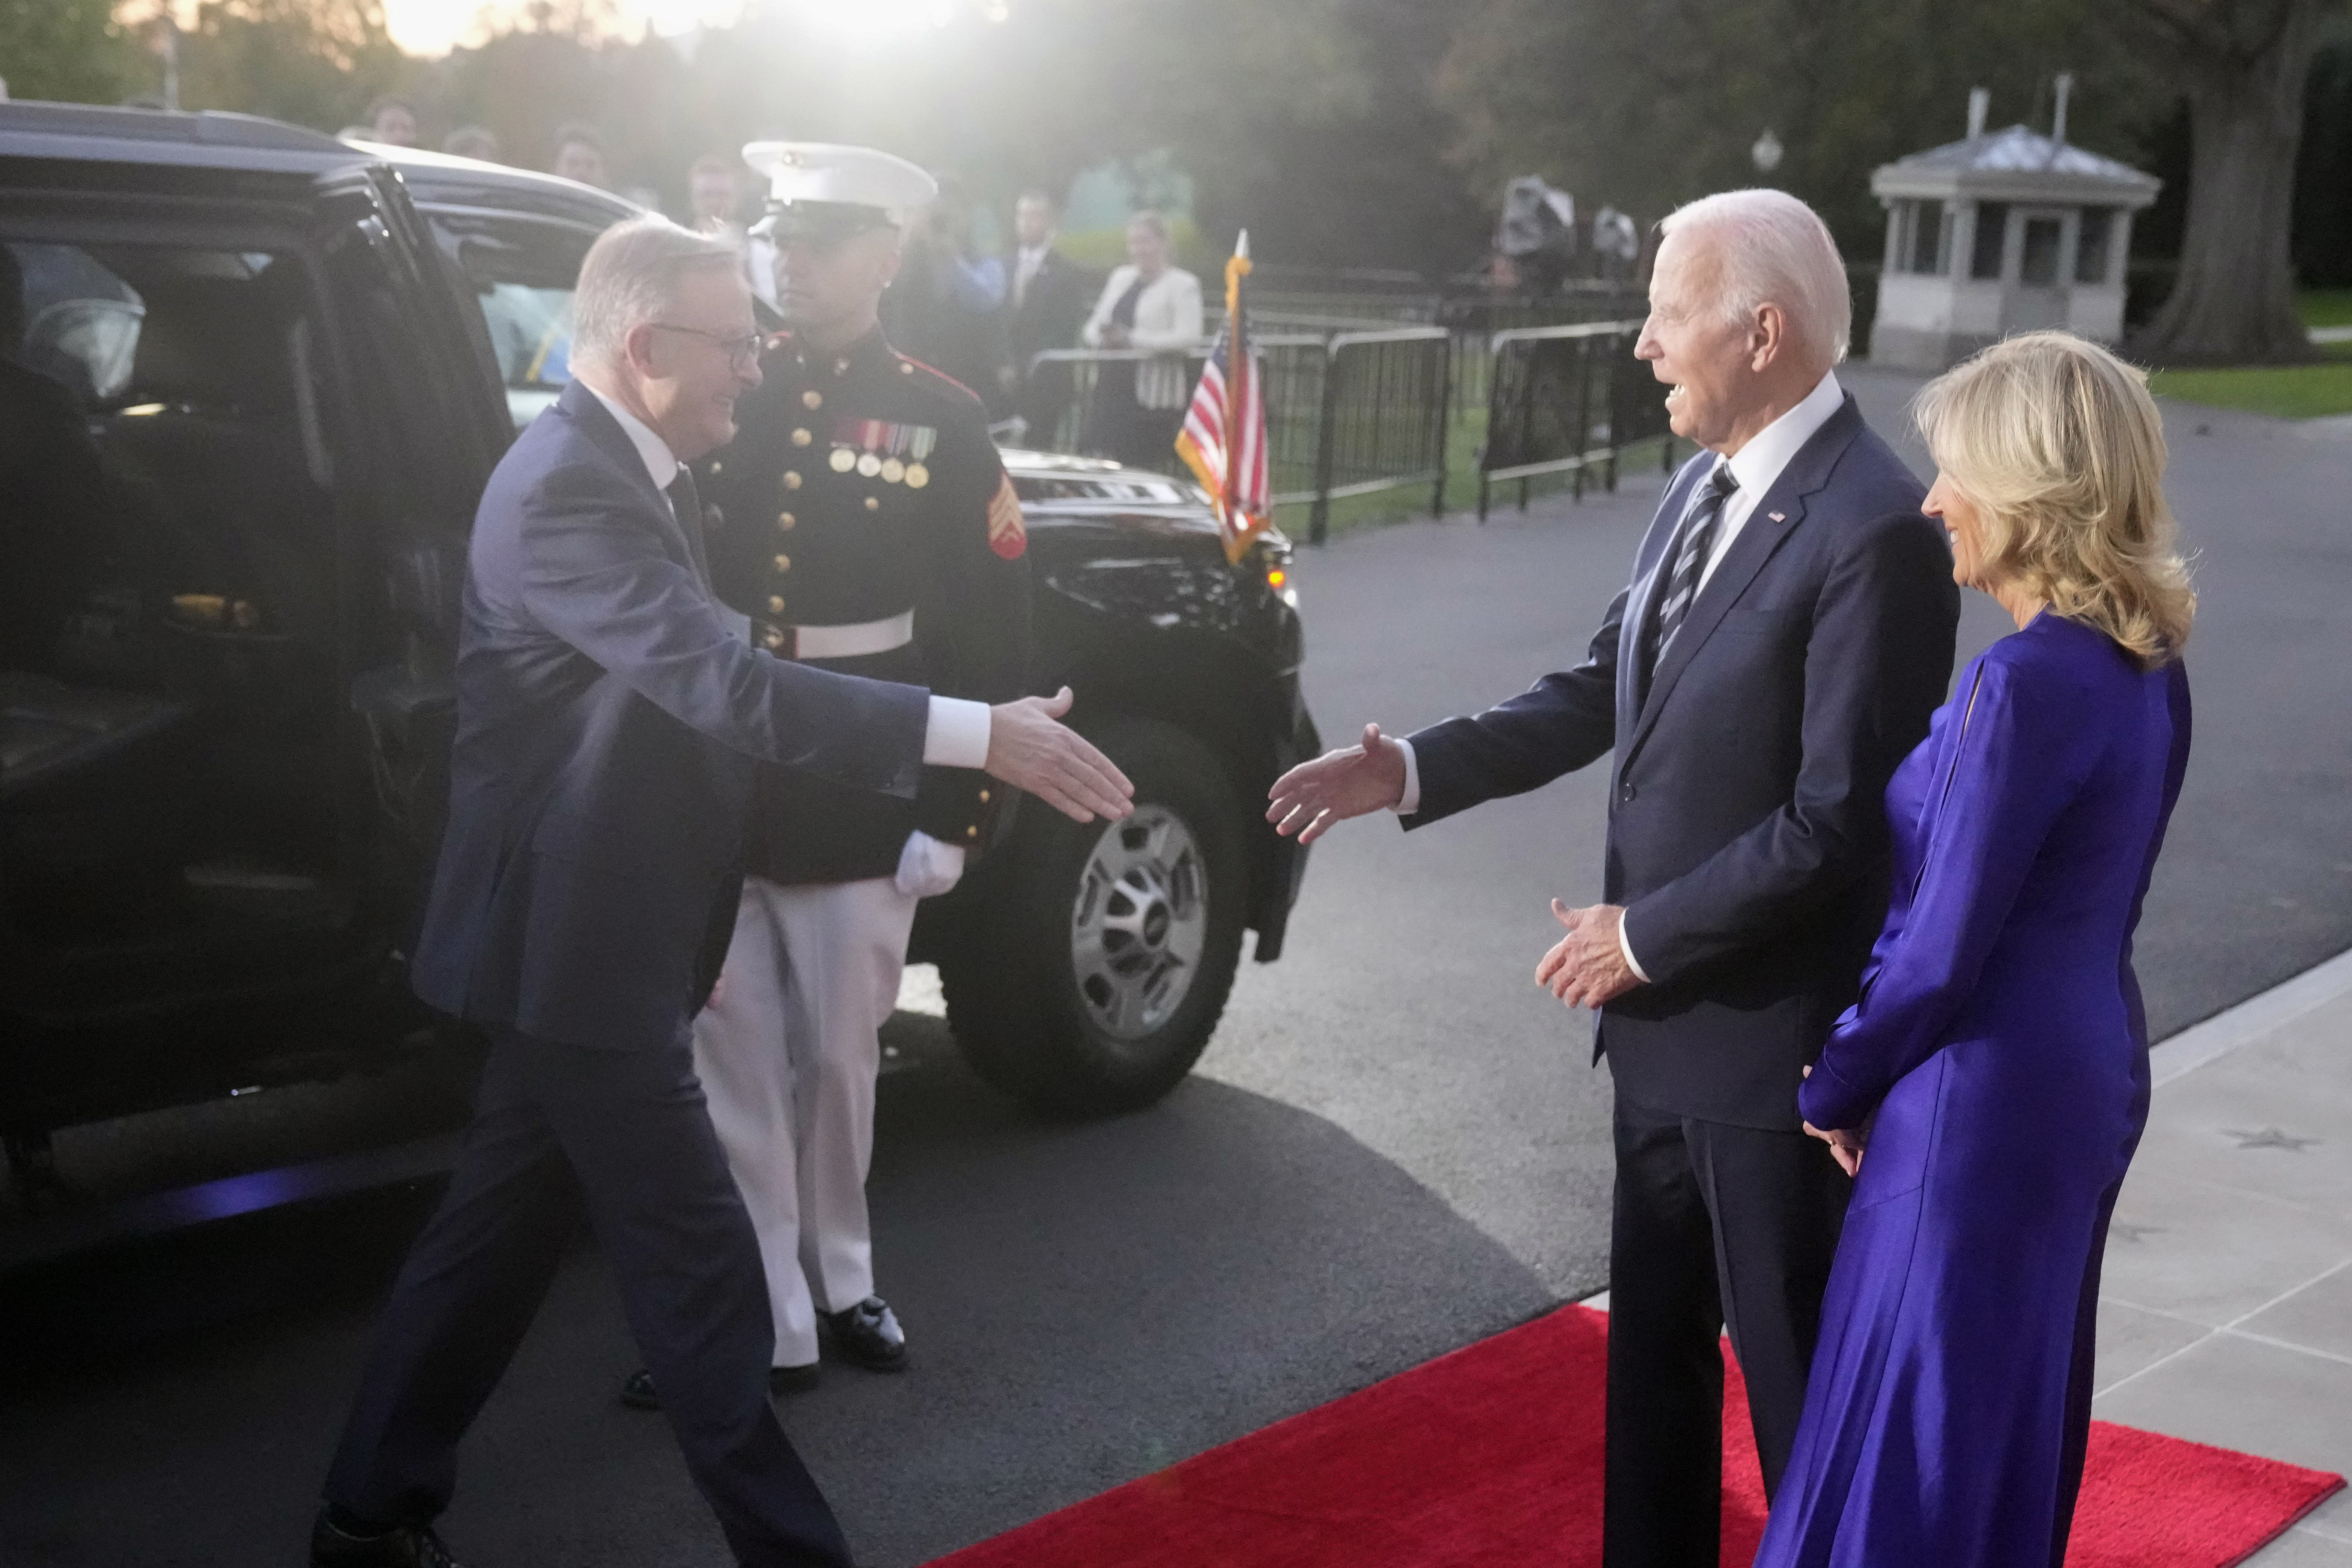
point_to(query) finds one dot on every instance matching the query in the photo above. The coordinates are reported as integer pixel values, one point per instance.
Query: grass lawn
(2326, 307)
(2283, 392)
(1464, 438)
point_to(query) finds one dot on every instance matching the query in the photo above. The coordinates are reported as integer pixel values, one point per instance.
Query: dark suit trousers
(1716, 1226)
(626, 1132)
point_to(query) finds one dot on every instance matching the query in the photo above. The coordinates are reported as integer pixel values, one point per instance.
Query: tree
(1645, 104)
(69, 50)
(2243, 65)
(314, 62)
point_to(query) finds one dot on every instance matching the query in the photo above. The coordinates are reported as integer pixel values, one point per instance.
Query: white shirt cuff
(1625, 946)
(957, 736)
(1410, 801)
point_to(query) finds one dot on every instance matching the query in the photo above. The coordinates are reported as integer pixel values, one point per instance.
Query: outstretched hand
(1845, 1146)
(1587, 967)
(1030, 748)
(1315, 797)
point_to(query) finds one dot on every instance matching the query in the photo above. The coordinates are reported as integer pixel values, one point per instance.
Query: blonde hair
(1774, 251)
(2061, 447)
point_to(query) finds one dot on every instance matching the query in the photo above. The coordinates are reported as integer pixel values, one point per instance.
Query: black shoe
(402, 1546)
(868, 1335)
(638, 1391)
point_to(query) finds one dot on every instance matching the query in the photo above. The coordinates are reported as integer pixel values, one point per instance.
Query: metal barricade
(1568, 400)
(1346, 415)
(1383, 421)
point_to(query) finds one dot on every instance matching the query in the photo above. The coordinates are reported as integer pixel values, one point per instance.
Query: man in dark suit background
(610, 715)
(1050, 295)
(1788, 630)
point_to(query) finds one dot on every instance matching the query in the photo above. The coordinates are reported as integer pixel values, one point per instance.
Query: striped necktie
(1692, 547)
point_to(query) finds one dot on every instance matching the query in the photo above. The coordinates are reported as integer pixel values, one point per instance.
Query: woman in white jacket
(1138, 407)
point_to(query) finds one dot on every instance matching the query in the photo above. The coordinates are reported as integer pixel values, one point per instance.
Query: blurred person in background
(579, 155)
(393, 121)
(947, 308)
(473, 142)
(714, 200)
(1050, 297)
(714, 197)
(1151, 304)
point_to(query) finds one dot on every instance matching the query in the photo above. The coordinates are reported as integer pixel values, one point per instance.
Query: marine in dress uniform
(865, 524)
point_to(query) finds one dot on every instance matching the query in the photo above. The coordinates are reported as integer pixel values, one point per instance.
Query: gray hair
(1776, 250)
(631, 277)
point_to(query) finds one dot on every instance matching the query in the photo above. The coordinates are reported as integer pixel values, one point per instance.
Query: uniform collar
(865, 353)
(661, 463)
(1761, 462)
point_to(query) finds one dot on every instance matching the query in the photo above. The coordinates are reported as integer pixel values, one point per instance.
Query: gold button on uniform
(775, 604)
(972, 832)
(812, 398)
(771, 639)
(905, 369)
(715, 469)
(800, 438)
(983, 797)
(792, 479)
(872, 504)
(785, 520)
(783, 563)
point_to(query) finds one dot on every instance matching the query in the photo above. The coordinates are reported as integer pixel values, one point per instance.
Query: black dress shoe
(638, 1391)
(868, 1335)
(402, 1546)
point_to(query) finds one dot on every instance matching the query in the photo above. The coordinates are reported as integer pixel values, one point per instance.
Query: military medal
(879, 449)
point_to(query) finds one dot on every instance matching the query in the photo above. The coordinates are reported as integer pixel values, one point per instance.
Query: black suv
(261, 378)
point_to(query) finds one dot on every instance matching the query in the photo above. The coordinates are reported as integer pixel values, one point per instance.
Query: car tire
(1099, 971)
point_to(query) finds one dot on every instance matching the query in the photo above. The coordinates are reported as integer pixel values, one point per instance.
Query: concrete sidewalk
(2225, 1306)
(2225, 1310)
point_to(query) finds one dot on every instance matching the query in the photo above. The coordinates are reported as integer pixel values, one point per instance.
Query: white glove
(927, 867)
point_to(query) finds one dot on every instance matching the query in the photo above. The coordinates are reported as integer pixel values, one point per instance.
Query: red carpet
(1492, 1456)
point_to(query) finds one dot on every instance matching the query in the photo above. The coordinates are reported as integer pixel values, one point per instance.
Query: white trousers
(788, 1054)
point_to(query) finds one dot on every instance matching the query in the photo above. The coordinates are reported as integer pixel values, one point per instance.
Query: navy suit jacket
(608, 725)
(1747, 825)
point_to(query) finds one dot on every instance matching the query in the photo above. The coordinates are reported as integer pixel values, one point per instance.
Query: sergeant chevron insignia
(1005, 535)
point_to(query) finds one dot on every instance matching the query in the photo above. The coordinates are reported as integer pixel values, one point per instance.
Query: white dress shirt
(1758, 466)
(957, 734)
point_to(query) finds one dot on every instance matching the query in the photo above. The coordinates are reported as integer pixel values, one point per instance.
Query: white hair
(631, 277)
(1774, 251)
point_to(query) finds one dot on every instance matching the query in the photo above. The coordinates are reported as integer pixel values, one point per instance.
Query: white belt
(853, 641)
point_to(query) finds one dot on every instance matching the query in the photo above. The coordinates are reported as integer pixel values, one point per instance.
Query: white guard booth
(2005, 232)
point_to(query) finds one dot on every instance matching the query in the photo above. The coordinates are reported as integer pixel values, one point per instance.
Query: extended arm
(1876, 664)
(597, 576)
(1562, 722)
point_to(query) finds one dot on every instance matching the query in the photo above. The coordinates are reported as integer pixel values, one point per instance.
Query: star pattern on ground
(2269, 1137)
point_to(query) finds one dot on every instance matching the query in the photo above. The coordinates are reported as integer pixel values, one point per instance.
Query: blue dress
(2001, 1043)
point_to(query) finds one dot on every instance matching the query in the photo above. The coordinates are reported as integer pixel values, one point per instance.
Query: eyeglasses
(742, 348)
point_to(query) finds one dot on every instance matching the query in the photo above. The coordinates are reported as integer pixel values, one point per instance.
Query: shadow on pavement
(1086, 1302)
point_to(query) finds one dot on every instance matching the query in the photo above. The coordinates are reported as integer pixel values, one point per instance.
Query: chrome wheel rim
(1139, 922)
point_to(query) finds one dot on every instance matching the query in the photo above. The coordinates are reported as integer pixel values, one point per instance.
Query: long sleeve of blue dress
(2009, 773)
